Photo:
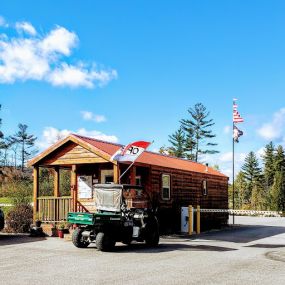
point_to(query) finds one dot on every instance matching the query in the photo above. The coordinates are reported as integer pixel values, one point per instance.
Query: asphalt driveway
(253, 253)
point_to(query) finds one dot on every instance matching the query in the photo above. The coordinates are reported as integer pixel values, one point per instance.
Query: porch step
(68, 237)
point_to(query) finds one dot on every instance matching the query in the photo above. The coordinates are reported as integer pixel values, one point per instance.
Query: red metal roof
(152, 158)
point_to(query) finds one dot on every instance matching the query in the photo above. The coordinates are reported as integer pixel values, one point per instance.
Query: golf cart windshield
(108, 197)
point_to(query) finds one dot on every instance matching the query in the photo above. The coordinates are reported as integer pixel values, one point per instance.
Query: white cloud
(225, 157)
(98, 135)
(76, 76)
(224, 161)
(227, 129)
(26, 27)
(42, 58)
(228, 172)
(21, 61)
(59, 40)
(275, 128)
(260, 153)
(51, 135)
(89, 116)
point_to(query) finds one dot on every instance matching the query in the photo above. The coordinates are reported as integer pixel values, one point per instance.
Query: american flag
(236, 116)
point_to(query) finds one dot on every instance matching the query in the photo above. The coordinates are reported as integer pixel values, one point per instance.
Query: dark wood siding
(186, 189)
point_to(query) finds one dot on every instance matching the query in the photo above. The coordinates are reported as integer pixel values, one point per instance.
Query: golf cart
(123, 214)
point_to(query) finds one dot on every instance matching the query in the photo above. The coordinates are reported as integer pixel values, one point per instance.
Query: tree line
(17, 148)
(15, 180)
(261, 188)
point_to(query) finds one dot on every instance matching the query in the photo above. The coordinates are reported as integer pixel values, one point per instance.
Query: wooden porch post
(116, 173)
(133, 175)
(56, 182)
(35, 189)
(73, 181)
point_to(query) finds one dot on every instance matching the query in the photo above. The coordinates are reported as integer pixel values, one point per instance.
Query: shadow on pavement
(243, 234)
(261, 245)
(11, 239)
(166, 247)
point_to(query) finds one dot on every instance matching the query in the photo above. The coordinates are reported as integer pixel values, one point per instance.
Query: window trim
(205, 187)
(169, 188)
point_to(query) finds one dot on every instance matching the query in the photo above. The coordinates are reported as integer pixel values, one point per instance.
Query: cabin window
(165, 186)
(138, 180)
(107, 176)
(205, 187)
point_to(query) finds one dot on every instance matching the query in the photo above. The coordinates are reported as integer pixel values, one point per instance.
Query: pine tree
(26, 141)
(278, 188)
(5, 145)
(165, 150)
(277, 192)
(279, 159)
(190, 145)
(240, 190)
(2, 143)
(198, 129)
(252, 174)
(258, 196)
(1, 134)
(268, 161)
(177, 141)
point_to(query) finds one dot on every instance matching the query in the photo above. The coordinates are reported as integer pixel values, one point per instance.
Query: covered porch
(86, 166)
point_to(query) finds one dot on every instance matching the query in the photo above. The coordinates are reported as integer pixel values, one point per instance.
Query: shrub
(19, 191)
(19, 219)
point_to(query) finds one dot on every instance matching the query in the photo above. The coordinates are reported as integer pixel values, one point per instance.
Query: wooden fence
(54, 209)
(244, 212)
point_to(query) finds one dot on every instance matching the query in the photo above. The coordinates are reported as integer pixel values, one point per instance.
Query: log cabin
(171, 182)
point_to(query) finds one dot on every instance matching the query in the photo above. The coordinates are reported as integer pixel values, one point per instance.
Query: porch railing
(55, 209)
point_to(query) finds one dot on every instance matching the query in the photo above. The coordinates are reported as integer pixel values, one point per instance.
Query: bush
(18, 191)
(19, 219)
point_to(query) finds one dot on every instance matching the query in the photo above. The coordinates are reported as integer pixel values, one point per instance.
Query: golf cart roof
(117, 186)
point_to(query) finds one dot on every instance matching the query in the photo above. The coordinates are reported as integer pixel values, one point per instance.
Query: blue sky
(128, 70)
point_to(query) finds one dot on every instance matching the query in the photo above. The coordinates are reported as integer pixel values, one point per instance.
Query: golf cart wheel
(152, 238)
(78, 240)
(104, 242)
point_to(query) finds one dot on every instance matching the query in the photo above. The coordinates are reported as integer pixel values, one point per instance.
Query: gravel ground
(252, 252)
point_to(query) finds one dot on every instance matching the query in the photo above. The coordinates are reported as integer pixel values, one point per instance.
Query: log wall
(186, 189)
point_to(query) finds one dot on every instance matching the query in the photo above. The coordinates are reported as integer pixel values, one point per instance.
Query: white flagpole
(234, 100)
(233, 176)
(126, 170)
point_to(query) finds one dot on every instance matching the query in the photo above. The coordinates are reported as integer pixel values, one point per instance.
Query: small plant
(60, 229)
(61, 226)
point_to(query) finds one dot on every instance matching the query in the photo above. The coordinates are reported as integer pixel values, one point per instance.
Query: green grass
(5, 200)
(6, 210)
